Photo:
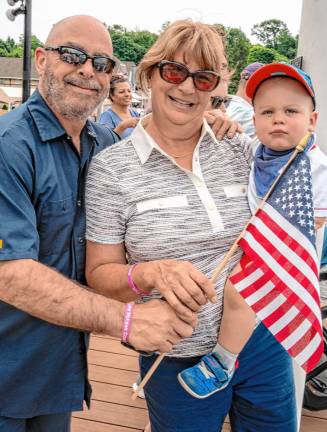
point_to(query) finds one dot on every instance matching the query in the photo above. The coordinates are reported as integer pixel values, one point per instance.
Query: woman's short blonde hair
(200, 42)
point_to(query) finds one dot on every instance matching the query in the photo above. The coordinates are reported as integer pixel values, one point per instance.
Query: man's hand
(156, 327)
(221, 124)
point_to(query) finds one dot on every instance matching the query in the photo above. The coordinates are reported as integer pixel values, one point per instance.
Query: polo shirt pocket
(162, 203)
(55, 226)
(235, 190)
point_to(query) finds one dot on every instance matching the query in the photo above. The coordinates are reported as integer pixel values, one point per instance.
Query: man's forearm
(48, 295)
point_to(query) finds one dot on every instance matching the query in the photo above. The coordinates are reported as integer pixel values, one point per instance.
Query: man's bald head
(73, 90)
(73, 27)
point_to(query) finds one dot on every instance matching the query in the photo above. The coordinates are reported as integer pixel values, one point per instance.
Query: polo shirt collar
(144, 144)
(45, 120)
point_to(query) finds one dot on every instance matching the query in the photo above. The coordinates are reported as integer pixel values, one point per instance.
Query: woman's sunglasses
(78, 57)
(217, 101)
(176, 73)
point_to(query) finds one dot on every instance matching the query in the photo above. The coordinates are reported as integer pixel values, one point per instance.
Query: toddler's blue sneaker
(205, 378)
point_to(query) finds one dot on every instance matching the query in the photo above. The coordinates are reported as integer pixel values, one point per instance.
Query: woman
(120, 117)
(171, 199)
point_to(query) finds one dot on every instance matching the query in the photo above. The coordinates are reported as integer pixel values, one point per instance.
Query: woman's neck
(174, 139)
(121, 109)
(178, 141)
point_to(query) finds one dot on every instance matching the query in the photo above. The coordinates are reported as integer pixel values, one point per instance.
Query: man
(45, 149)
(240, 107)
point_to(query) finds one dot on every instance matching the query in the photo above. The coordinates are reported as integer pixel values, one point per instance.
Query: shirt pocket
(162, 203)
(235, 190)
(56, 225)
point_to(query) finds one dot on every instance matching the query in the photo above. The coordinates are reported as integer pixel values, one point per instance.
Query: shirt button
(79, 203)
(81, 240)
(211, 207)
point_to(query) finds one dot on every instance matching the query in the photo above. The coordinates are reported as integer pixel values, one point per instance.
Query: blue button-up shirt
(42, 217)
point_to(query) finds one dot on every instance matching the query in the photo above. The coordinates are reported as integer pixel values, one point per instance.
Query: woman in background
(120, 117)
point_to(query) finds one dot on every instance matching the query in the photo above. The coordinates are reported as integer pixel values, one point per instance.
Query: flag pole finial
(303, 142)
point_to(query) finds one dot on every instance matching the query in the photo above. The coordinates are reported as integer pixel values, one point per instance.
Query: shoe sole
(191, 392)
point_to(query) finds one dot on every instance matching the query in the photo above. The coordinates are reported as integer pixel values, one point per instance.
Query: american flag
(279, 278)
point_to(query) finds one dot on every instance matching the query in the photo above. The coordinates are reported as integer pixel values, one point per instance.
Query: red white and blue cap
(272, 70)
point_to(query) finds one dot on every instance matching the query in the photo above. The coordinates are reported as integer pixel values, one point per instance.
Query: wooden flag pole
(298, 149)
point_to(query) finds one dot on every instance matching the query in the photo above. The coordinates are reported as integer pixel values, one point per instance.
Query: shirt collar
(144, 144)
(47, 123)
(45, 120)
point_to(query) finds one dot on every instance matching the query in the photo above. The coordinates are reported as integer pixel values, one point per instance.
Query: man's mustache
(87, 84)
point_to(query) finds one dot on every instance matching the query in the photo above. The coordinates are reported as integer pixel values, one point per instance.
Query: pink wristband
(127, 322)
(131, 283)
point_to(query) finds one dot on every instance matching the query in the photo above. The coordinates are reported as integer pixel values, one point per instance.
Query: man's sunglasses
(176, 73)
(217, 101)
(78, 57)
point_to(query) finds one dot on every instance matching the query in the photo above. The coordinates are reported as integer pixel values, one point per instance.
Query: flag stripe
(295, 253)
(302, 294)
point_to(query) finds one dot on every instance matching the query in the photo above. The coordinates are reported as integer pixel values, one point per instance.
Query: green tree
(237, 50)
(268, 31)
(274, 34)
(130, 45)
(143, 38)
(125, 48)
(287, 45)
(259, 53)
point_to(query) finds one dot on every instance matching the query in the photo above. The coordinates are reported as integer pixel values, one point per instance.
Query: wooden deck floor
(112, 370)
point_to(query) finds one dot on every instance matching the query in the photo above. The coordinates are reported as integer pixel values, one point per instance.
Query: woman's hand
(184, 287)
(221, 124)
(125, 124)
(129, 123)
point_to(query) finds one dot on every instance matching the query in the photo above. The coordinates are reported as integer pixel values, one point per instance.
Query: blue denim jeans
(43, 423)
(260, 398)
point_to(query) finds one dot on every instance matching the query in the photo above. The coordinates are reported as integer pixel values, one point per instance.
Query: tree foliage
(130, 45)
(237, 50)
(9, 48)
(259, 53)
(274, 34)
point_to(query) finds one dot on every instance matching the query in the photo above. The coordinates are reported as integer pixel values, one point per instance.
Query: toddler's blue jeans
(260, 398)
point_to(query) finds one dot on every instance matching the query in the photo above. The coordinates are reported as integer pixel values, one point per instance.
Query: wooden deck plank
(112, 375)
(112, 370)
(118, 415)
(109, 359)
(84, 425)
(116, 394)
(110, 345)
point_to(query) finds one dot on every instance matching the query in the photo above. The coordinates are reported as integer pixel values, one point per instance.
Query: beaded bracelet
(127, 322)
(132, 284)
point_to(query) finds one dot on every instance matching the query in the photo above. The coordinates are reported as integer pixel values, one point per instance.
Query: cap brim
(274, 70)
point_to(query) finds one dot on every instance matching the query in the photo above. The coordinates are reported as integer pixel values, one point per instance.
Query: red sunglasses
(176, 73)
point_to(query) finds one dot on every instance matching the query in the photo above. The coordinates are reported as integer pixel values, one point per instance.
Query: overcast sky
(150, 15)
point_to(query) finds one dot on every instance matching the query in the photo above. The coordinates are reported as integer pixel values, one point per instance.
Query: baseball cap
(279, 69)
(250, 69)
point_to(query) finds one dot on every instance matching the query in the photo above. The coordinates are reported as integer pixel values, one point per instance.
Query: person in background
(219, 98)
(163, 208)
(240, 107)
(46, 146)
(120, 117)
